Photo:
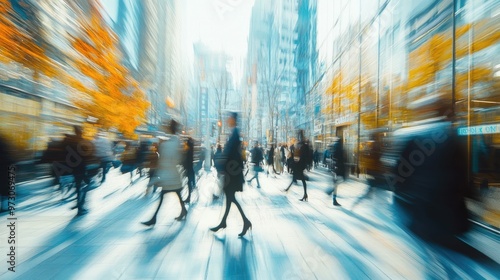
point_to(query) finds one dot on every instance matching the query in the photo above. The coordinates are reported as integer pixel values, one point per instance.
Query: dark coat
(257, 156)
(218, 159)
(79, 154)
(270, 156)
(431, 177)
(233, 166)
(300, 166)
(337, 156)
(189, 156)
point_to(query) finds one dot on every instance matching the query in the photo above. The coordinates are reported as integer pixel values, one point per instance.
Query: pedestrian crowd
(173, 158)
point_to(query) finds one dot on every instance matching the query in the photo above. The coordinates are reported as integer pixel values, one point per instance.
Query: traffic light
(219, 123)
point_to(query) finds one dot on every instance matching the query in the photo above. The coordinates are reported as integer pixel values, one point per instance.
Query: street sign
(479, 129)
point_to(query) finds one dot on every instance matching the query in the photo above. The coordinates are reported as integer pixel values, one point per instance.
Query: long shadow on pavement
(238, 258)
(73, 239)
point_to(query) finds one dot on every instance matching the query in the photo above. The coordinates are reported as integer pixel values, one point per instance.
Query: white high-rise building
(270, 69)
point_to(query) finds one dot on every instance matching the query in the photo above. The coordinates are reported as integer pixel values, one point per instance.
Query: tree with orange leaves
(21, 40)
(111, 95)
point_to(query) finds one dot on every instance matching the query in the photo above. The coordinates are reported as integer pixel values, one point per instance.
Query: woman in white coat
(167, 174)
(277, 160)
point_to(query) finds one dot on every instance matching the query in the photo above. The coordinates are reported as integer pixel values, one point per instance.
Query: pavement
(290, 239)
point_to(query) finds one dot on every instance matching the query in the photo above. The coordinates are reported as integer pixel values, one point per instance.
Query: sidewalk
(290, 239)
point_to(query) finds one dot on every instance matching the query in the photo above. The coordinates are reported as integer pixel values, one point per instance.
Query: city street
(289, 239)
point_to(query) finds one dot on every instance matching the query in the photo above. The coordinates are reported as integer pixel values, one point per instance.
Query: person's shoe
(151, 222)
(335, 203)
(74, 207)
(304, 198)
(246, 226)
(182, 215)
(82, 212)
(217, 228)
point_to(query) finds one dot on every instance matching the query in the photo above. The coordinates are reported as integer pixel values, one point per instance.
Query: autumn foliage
(20, 44)
(110, 94)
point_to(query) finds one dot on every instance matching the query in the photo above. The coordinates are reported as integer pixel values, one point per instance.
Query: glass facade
(380, 56)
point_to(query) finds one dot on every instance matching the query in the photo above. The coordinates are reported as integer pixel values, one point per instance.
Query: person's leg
(153, 219)
(335, 187)
(190, 183)
(183, 206)
(79, 190)
(229, 199)
(254, 176)
(191, 179)
(239, 208)
(257, 177)
(246, 223)
(291, 183)
(159, 204)
(105, 165)
(304, 198)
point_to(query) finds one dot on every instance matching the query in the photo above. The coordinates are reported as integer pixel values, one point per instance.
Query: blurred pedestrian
(277, 161)
(167, 175)
(152, 159)
(201, 159)
(270, 159)
(80, 154)
(338, 165)
(257, 158)
(219, 162)
(303, 154)
(129, 160)
(244, 158)
(104, 151)
(283, 154)
(55, 155)
(290, 159)
(430, 177)
(233, 173)
(188, 167)
(310, 157)
(316, 156)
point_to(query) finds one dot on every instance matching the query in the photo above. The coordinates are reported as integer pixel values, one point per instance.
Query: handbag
(219, 163)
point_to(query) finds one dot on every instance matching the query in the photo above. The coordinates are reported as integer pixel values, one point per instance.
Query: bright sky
(220, 24)
(111, 7)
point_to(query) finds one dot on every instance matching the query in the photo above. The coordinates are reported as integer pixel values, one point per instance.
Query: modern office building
(151, 38)
(383, 58)
(270, 69)
(32, 111)
(306, 102)
(128, 26)
(215, 83)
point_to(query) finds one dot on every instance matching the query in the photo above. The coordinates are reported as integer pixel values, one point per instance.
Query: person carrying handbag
(233, 175)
